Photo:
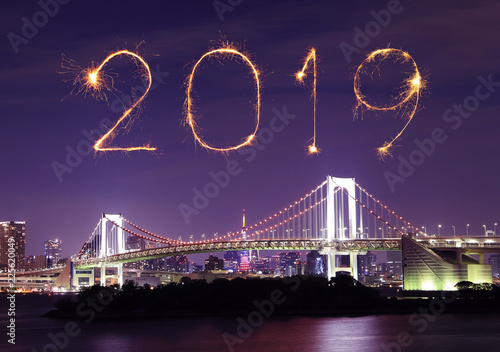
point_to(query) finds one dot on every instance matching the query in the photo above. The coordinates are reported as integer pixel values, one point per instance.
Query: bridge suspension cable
(336, 209)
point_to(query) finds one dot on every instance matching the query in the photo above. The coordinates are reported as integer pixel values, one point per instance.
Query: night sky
(456, 48)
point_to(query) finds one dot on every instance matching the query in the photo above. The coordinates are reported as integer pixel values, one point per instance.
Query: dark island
(296, 295)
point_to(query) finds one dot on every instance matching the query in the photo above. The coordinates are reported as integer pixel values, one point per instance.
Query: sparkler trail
(412, 89)
(96, 81)
(299, 76)
(222, 52)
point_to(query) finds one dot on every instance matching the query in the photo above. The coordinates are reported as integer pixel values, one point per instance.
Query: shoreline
(466, 308)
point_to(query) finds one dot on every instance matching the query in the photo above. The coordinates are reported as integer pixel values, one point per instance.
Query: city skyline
(454, 49)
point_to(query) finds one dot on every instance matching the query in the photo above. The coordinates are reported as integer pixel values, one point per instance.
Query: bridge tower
(107, 239)
(341, 221)
(112, 242)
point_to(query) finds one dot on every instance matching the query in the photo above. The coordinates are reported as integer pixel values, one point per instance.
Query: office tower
(316, 264)
(12, 244)
(52, 251)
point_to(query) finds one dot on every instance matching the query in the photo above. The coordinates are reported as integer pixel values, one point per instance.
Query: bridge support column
(353, 259)
(330, 265)
(103, 274)
(481, 258)
(120, 274)
(459, 256)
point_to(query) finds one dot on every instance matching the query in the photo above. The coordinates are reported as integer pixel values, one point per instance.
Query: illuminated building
(263, 265)
(35, 262)
(17, 231)
(494, 261)
(231, 260)
(134, 243)
(179, 264)
(394, 265)
(363, 265)
(428, 270)
(52, 251)
(288, 263)
(316, 264)
(214, 263)
(244, 262)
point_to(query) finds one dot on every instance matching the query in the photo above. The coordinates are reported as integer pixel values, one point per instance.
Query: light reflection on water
(448, 332)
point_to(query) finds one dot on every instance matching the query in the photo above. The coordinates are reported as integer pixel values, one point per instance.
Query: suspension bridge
(338, 217)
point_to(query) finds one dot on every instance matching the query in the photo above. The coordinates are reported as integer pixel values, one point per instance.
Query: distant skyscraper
(363, 265)
(52, 251)
(35, 262)
(17, 231)
(316, 264)
(214, 263)
(231, 260)
(288, 262)
(494, 261)
(244, 261)
(134, 243)
(178, 264)
(394, 265)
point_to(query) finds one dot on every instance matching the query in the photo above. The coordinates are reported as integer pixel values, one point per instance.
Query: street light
(495, 229)
(425, 230)
(467, 233)
(454, 233)
(484, 230)
(203, 237)
(439, 230)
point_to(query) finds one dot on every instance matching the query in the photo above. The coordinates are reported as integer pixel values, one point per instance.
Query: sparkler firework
(97, 82)
(411, 90)
(299, 76)
(223, 52)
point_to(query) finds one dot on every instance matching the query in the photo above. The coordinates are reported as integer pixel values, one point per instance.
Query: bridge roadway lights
(347, 246)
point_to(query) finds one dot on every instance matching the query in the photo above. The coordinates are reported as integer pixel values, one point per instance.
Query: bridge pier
(353, 261)
(120, 274)
(481, 258)
(330, 268)
(103, 274)
(332, 263)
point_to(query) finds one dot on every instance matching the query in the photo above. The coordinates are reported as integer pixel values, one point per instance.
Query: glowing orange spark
(413, 89)
(93, 79)
(299, 76)
(190, 118)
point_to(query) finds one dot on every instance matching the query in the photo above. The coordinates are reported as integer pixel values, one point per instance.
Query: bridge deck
(280, 245)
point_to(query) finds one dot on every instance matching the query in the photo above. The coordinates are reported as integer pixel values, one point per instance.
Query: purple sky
(455, 185)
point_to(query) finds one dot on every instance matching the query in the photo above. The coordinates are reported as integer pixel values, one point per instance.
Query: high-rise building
(232, 260)
(133, 243)
(394, 265)
(288, 262)
(363, 265)
(36, 262)
(214, 263)
(494, 261)
(52, 251)
(262, 265)
(12, 240)
(179, 264)
(244, 260)
(372, 262)
(316, 264)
